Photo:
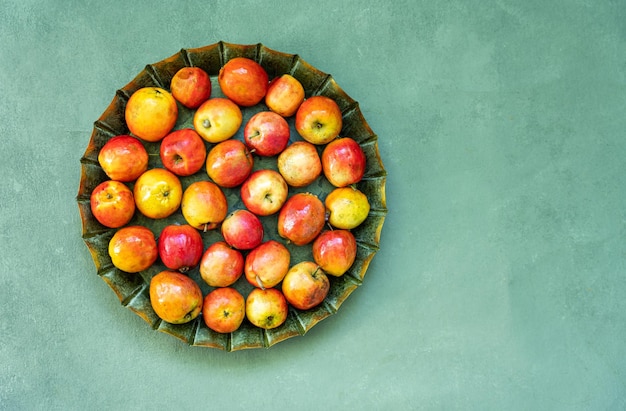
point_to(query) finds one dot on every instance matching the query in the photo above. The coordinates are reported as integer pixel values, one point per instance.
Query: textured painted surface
(500, 280)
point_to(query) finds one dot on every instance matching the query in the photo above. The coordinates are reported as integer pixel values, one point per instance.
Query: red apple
(123, 158)
(223, 310)
(243, 81)
(217, 119)
(229, 163)
(343, 162)
(284, 95)
(191, 86)
(267, 264)
(175, 298)
(335, 251)
(242, 230)
(266, 308)
(299, 164)
(112, 203)
(221, 265)
(183, 152)
(318, 120)
(264, 192)
(133, 249)
(204, 205)
(305, 285)
(301, 218)
(267, 133)
(180, 247)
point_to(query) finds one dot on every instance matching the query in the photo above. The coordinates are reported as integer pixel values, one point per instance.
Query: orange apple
(301, 218)
(191, 86)
(229, 163)
(221, 265)
(267, 264)
(266, 308)
(284, 95)
(244, 81)
(204, 205)
(306, 285)
(175, 297)
(264, 192)
(151, 113)
(183, 152)
(123, 158)
(223, 310)
(112, 204)
(242, 230)
(217, 119)
(335, 251)
(157, 193)
(343, 162)
(299, 164)
(133, 249)
(347, 207)
(318, 120)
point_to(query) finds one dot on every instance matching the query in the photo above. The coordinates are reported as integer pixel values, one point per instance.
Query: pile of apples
(208, 149)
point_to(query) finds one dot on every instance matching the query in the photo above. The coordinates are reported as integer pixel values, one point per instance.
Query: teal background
(500, 283)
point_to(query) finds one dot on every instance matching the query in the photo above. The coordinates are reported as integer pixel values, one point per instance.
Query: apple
(151, 113)
(264, 192)
(306, 285)
(180, 247)
(204, 205)
(183, 152)
(229, 163)
(123, 158)
(301, 218)
(112, 204)
(347, 207)
(133, 249)
(157, 193)
(299, 164)
(242, 230)
(318, 120)
(175, 297)
(267, 264)
(221, 265)
(266, 133)
(223, 310)
(243, 80)
(334, 251)
(284, 95)
(266, 308)
(191, 86)
(217, 119)
(343, 162)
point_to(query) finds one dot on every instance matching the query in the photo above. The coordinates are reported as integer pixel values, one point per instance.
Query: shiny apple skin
(221, 265)
(180, 247)
(123, 158)
(335, 251)
(266, 133)
(183, 152)
(242, 230)
(244, 81)
(306, 285)
(301, 218)
(343, 162)
(229, 163)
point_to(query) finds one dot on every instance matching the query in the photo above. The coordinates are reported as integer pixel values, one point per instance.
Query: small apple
(229, 163)
(243, 80)
(264, 192)
(347, 207)
(299, 164)
(266, 133)
(175, 298)
(221, 265)
(180, 247)
(133, 249)
(284, 95)
(157, 193)
(183, 152)
(217, 119)
(301, 218)
(223, 310)
(343, 162)
(266, 308)
(112, 204)
(204, 205)
(191, 86)
(318, 120)
(334, 251)
(267, 264)
(151, 113)
(123, 158)
(305, 285)
(242, 230)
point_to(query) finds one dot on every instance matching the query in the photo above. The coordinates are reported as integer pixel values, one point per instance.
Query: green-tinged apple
(284, 95)
(229, 163)
(180, 247)
(133, 249)
(266, 133)
(157, 193)
(264, 192)
(223, 310)
(244, 81)
(334, 251)
(267, 264)
(266, 308)
(217, 119)
(343, 162)
(299, 164)
(204, 205)
(112, 204)
(221, 265)
(191, 86)
(183, 152)
(175, 297)
(123, 158)
(306, 285)
(347, 207)
(242, 230)
(319, 120)
(301, 218)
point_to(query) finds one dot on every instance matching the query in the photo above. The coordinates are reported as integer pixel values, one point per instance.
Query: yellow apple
(158, 193)
(347, 207)
(217, 119)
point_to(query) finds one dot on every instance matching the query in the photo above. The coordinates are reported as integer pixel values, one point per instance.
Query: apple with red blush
(266, 308)
(229, 163)
(299, 164)
(306, 285)
(335, 251)
(243, 81)
(266, 133)
(284, 95)
(301, 218)
(264, 192)
(183, 152)
(242, 230)
(112, 203)
(180, 247)
(123, 158)
(267, 264)
(343, 162)
(221, 265)
(319, 120)
(191, 86)
(224, 309)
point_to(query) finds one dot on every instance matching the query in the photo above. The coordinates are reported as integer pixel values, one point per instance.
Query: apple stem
(259, 282)
(255, 135)
(206, 227)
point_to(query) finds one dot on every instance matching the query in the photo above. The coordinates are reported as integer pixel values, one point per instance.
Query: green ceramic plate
(132, 289)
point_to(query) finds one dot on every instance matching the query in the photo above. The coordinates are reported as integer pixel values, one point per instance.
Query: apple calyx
(206, 123)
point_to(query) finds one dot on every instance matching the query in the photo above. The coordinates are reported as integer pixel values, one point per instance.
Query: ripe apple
(191, 86)
(334, 251)
(266, 133)
(267, 264)
(229, 163)
(343, 162)
(223, 310)
(301, 218)
(217, 119)
(123, 158)
(133, 249)
(318, 120)
(242, 230)
(175, 297)
(266, 308)
(347, 207)
(221, 265)
(299, 164)
(204, 205)
(183, 152)
(112, 204)
(151, 113)
(157, 193)
(180, 247)
(305, 285)
(264, 192)
(284, 95)
(243, 81)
